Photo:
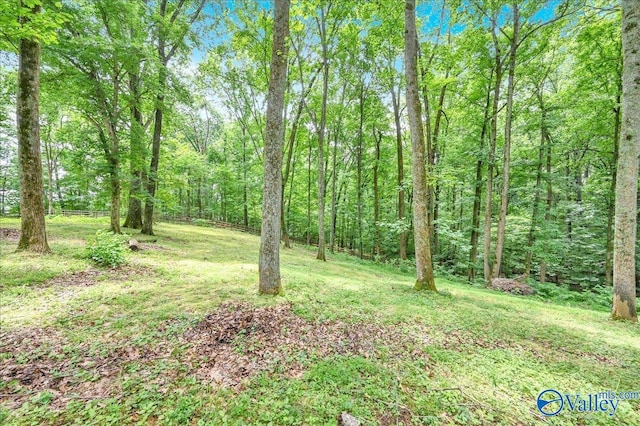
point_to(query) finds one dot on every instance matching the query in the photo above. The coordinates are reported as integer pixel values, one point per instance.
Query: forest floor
(179, 336)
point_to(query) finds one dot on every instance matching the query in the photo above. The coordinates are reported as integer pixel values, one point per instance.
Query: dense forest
(159, 109)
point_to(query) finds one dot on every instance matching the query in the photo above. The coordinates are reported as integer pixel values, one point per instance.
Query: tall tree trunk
(136, 158)
(58, 189)
(287, 171)
(475, 215)
(434, 189)
(49, 160)
(402, 237)
(245, 192)
(290, 150)
(538, 189)
(33, 235)
(334, 177)
(504, 194)
(114, 176)
(624, 244)
(269, 266)
(199, 196)
(309, 196)
(424, 267)
(427, 134)
(110, 147)
(608, 265)
(376, 193)
(547, 212)
(152, 178)
(321, 132)
(164, 55)
(359, 171)
(492, 154)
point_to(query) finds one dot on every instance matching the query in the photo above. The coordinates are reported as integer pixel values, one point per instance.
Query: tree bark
(136, 157)
(33, 235)
(152, 178)
(359, 171)
(334, 178)
(538, 189)
(547, 212)
(402, 237)
(475, 215)
(608, 265)
(376, 193)
(424, 267)
(321, 134)
(504, 194)
(624, 244)
(309, 196)
(492, 154)
(436, 153)
(269, 266)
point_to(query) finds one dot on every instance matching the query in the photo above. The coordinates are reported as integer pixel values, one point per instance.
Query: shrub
(107, 249)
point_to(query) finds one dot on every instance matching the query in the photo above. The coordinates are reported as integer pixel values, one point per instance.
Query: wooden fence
(86, 213)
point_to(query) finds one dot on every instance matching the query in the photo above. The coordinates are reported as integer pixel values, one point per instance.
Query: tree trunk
(475, 215)
(434, 189)
(136, 157)
(152, 178)
(608, 265)
(624, 244)
(536, 195)
(504, 195)
(33, 237)
(334, 177)
(245, 195)
(424, 267)
(164, 55)
(359, 171)
(287, 171)
(492, 154)
(269, 269)
(376, 193)
(547, 213)
(321, 132)
(50, 167)
(309, 196)
(114, 176)
(402, 237)
(110, 147)
(199, 196)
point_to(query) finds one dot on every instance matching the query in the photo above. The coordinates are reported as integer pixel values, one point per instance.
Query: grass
(477, 357)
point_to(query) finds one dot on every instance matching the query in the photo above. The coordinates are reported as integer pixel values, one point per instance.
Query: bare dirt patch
(151, 246)
(509, 285)
(92, 276)
(9, 234)
(239, 340)
(41, 360)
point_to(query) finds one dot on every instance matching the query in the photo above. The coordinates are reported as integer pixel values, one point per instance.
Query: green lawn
(179, 336)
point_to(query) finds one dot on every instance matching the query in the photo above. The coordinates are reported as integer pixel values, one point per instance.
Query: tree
(271, 201)
(34, 236)
(168, 25)
(624, 258)
(422, 242)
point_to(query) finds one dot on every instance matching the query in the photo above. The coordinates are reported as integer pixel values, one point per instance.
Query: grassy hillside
(180, 336)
